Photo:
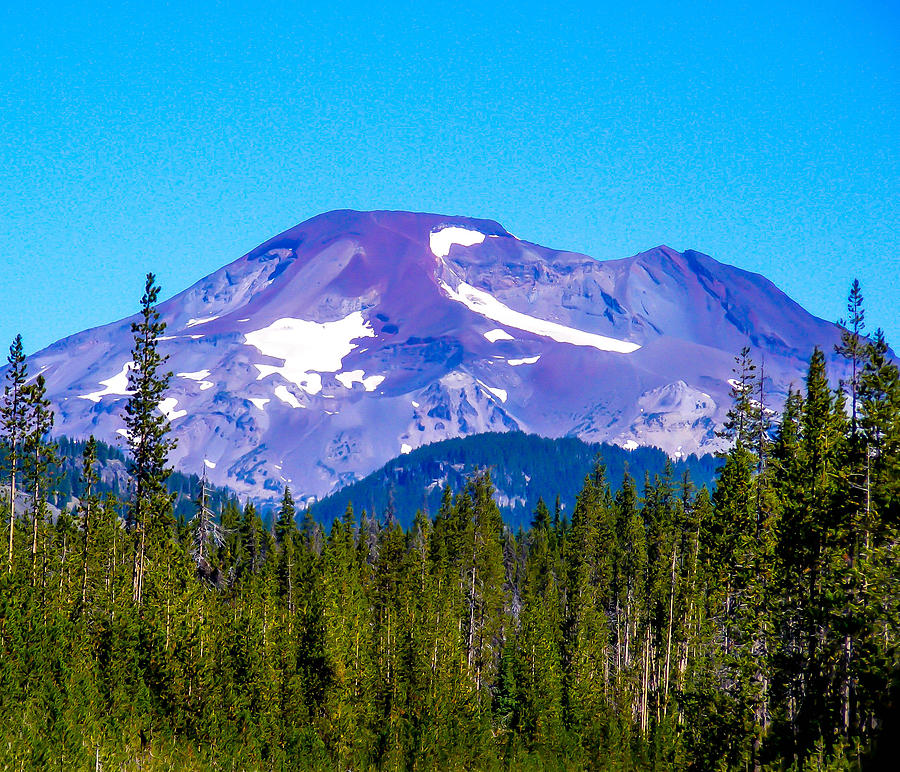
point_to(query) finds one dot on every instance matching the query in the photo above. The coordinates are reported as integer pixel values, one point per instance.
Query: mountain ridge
(341, 342)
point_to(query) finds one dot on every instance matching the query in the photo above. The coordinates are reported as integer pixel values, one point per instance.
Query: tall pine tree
(13, 414)
(147, 429)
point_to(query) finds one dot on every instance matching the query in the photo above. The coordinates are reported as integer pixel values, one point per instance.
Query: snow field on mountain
(285, 396)
(487, 305)
(494, 335)
(307, 349)
(500, 394)
(523, 361)
(200, 377)
(203, 320)
(441, 240)
(167, 408)
(350, 377)
(117, 385)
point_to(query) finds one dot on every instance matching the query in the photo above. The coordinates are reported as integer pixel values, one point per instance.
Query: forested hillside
(68, 479)
(524, 468)
(659, 626)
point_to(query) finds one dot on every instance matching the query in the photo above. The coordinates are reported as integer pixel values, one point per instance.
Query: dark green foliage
(13, 428)
(524, 468)
(752, 627)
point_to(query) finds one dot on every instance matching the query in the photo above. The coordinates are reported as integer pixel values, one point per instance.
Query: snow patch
(357, 376)
(285, 396)
(202, 320)
(414, 403)
(523, 361)
(404, 448)
(500, 394)
(209, 464)
(167, 408)
(441, 240)
(34, 376)
(260, 402)
(198, 376)
(308, 348)
(494, 335)
(487, 305)
(116, 386)
(630, 445)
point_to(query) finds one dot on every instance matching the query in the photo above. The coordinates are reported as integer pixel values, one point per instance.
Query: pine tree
(147, 428)
(880, 421)
(483, 578)
(287, 538)
(539, 707)
(206, 535)
(853, 346)
(39, 457)
(589, 578)
(13, 426)
(742, 420)
(89, 506)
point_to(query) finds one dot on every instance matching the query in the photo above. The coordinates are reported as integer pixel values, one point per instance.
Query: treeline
(65, 473)
(524, 468)
(663, 626)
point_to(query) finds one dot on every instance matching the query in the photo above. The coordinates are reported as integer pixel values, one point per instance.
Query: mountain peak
(356, 336)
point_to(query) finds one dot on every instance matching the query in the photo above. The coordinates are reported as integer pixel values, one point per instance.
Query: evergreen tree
(853, 346)
(287, 537)
(89, 506)
(147, 429)
(13, 426)
(742, 420)
(880, 421)
(756, 625)
(39, 457)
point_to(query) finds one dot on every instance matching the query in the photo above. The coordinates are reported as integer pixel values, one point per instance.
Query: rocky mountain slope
(357, 336)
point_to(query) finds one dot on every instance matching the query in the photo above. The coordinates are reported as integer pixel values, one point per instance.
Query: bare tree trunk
(138, 583)
(84, 552)
(471, 637)
(646, 681)
(12, 505)
(669, 636)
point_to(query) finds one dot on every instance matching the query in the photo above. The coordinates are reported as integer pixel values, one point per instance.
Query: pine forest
(750, 625)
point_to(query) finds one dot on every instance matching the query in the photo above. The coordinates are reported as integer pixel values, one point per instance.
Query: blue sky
(174, 137)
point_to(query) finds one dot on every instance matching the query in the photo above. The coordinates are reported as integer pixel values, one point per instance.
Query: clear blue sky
(176, 136)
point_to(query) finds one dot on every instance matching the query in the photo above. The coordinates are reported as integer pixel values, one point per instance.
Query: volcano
(357, 336)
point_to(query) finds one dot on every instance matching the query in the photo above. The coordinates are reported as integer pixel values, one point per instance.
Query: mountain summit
(357, 336)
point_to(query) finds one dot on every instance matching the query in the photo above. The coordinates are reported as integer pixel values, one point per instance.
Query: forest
(524, 468)
(751, 624)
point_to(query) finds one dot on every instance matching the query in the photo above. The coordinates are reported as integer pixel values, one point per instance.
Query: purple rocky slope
(356, 336)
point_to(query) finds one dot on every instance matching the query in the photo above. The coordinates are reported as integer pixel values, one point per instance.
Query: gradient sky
(174, 137)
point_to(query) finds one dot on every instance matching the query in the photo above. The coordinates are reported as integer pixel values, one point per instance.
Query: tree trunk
(669, 636)
(12, 504)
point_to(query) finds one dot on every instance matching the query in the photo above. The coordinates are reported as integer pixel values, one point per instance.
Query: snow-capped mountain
(357, 336)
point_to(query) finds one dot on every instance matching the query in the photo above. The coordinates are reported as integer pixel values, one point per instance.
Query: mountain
(358, 336)
(523, 467)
